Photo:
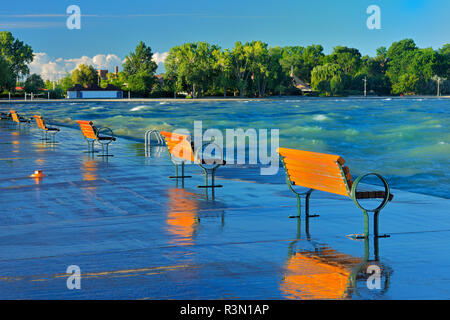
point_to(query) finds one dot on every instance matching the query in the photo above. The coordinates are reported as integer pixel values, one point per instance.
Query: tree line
(251, 69)
(254, 69)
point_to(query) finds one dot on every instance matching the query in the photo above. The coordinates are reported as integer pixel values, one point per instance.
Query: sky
(112, 29)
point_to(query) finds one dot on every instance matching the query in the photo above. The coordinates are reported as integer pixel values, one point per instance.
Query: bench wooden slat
(40, 122)
(316, 170)
(329, 184)
(332, 171)
(87, 129)
(295, 172)
(310, 156)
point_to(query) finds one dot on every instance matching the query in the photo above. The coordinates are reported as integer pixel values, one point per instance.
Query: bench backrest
(87, 128)
(40, 122)
(179, 145)
(319, 171)
(14, 116)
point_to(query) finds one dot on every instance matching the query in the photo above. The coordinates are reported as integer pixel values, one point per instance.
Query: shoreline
(212, 99)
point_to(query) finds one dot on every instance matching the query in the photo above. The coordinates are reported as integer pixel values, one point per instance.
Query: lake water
(406, 140)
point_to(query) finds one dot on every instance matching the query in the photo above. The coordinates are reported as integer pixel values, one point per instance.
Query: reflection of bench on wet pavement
(325, 172)
(102, 135)
(181, 150)
(46, 129)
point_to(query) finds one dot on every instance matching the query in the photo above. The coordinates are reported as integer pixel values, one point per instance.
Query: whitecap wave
(320, 117)
(138, 108)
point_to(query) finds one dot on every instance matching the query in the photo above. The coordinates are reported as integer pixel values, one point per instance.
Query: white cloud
(160, 57)
(55, 69)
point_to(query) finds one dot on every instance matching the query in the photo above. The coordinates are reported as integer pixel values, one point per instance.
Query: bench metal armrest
(386, 192)
(109, 133)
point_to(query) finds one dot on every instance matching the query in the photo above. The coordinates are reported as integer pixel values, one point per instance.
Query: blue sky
(115, 27)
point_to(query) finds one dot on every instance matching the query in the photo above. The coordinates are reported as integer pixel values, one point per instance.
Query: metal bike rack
(148, 137)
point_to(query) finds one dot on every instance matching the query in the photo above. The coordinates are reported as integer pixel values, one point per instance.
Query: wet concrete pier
(135, 234)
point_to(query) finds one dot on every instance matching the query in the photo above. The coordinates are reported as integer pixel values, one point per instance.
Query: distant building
(102, 74)
(94, 92)
(299, 84)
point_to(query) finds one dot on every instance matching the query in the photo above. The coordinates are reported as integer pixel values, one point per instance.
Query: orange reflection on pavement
(312, 276)
(89, 171)
(182, 216)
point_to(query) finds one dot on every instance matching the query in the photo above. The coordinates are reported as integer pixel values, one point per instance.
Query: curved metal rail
(148, 137)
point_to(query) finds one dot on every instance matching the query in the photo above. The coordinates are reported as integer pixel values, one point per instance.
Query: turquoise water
(406, 140)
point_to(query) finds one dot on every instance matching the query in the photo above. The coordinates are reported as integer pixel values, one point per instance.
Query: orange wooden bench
(18, 119)
(46, 129)
(181, 150)
(326, 172)
(102, 135)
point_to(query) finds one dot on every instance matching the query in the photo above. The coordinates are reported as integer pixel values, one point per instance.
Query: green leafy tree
(410, 69)
(292, 61)
(400, 55)
(192, 67)
(300, 61)
(66, 83)
(85, 75)
(224, 70)
(349, 59)
(139, 69)
(278, 80)
(260, 64)
(267, 72)
(172, 80)
(242, 56)
(33, 83)
(7, 80)
(373, 70)
(140, 60)
(118, 80)
(16, 53)
(327, 79)
(443, 68)
(312, 56)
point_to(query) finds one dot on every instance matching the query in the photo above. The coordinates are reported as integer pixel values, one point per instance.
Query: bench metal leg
(44, 135)
(53, 137)
(90, 149)
(308, 195)
(105, 150)
(90, 146)
(299, 204)
(375, 226)
(212, 185)
(299, 207)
